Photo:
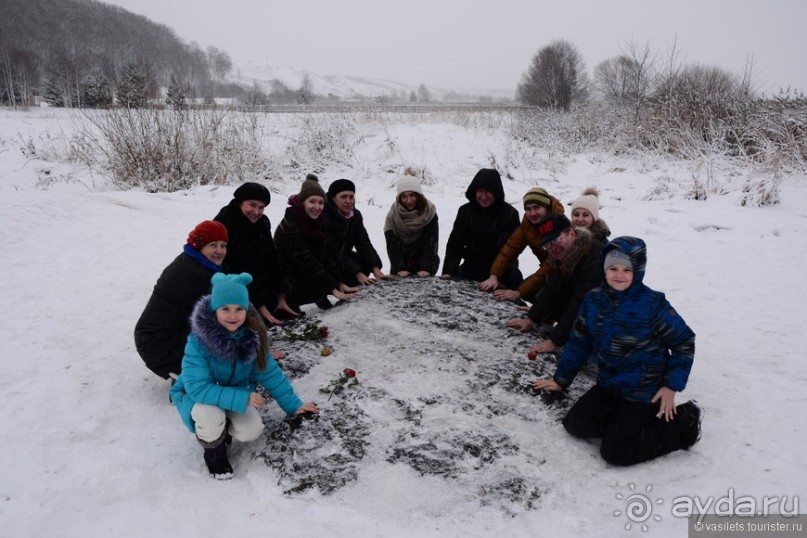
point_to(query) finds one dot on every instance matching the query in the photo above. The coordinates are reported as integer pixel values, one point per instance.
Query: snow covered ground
(439, 439)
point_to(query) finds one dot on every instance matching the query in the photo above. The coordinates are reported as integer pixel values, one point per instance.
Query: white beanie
(589, 201)
(407, 183)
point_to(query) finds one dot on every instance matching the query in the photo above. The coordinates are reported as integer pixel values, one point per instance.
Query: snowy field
(440, 438)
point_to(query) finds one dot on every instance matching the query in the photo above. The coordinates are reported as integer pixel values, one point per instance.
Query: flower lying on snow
(311, 331)
(346, 379)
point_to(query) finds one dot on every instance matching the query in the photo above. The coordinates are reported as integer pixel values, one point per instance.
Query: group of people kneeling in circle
(204, 327)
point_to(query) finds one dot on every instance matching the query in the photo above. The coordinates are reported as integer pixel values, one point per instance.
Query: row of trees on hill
(78, 53)
(654, 95)
(84, 53)
(556, 79)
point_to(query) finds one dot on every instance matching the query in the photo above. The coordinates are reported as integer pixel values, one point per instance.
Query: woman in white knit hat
(586, 214)
(411, 230)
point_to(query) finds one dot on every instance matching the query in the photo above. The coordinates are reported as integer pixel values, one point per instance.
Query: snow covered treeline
(170, 150)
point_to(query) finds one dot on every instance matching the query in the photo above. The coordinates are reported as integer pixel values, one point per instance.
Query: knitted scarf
(407, 225)
(199, 257)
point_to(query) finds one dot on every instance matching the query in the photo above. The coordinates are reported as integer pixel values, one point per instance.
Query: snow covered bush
(323, 138)
(170, 150)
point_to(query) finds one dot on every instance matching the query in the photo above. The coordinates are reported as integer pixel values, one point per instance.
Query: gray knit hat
(311, 187)
(616, 257)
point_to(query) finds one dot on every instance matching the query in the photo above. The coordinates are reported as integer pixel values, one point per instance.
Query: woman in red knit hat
(163, 327)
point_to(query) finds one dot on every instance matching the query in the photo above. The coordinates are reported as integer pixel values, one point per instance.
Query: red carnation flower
(350, 372)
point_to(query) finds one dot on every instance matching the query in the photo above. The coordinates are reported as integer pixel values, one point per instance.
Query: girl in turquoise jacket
(226, 356)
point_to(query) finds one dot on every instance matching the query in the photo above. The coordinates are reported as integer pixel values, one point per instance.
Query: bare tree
(665, 84)
(179, 92)
(281, 93)
(555, 79)
(219, 63)
(255, 96)
(305, 93)
(424, 95)
(627, 80)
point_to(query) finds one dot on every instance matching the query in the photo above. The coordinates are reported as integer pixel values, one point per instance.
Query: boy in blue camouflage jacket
(644, 352)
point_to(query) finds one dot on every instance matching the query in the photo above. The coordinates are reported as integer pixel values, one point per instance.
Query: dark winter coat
(567, 285)
(163, 327)
(251, 249)
(526, 235)
(221, 369)
(479, 233)
(420, 255)
(640, 342)
(309, 267)
(348, 243)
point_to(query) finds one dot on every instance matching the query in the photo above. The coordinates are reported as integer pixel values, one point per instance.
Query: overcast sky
(475, 44)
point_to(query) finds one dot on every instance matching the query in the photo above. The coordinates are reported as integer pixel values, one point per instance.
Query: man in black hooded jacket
(481, 228)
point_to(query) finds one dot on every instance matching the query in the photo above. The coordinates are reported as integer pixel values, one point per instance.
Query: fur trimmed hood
(241, 347)
(600, 230)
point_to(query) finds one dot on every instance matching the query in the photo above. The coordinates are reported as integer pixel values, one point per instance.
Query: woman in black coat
(346, 236)
(310, 269)
(162, 330)
(481, 229)
(251, 249)
(411, 230)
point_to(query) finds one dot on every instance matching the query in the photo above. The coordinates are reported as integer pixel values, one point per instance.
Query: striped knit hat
(539, 196)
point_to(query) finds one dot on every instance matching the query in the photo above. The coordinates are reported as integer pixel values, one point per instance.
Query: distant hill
(349, 87)
(84, 52)
(79, 53)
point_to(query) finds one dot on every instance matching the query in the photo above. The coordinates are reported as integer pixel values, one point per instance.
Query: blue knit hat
(229, 289)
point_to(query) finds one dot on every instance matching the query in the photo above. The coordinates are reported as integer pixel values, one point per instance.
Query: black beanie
(252, 191)
(340, 185)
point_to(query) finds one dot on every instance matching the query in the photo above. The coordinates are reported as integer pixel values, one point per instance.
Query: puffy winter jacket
(348, 243)
(480, 232)
(309, 267)
(638, 339)
(526, 235)
(162, 330)
(568, 283)
(221, 369)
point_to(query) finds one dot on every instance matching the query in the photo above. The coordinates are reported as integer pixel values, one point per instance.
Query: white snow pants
(211, 420)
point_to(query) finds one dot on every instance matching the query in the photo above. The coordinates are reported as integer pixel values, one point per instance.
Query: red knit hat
(207, 232)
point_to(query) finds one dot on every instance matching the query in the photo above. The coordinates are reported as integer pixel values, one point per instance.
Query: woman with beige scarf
(411, 230)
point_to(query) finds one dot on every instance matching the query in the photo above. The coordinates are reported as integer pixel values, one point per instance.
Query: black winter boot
(689, 423)
(216, 458)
